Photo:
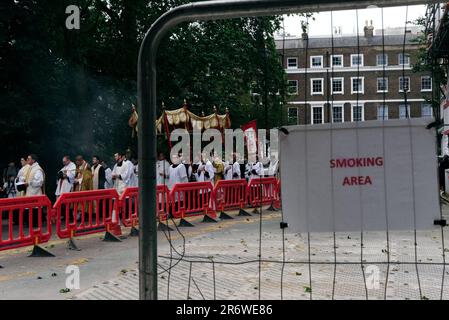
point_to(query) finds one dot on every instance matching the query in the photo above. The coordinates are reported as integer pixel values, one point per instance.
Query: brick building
(362, 77)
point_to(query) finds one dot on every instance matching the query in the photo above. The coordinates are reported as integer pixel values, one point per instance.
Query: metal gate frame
(146, 81)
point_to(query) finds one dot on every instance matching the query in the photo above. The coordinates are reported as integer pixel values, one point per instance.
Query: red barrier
(277, 202)
(14, 211)
(262, 191)
(129, 204)
(230, 194)
(191, 199)
(95, 210)
(163, 202)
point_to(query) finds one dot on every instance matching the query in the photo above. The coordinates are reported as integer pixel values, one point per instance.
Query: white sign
(370, 175)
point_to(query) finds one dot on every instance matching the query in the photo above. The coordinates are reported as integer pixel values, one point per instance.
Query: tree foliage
(70, 91)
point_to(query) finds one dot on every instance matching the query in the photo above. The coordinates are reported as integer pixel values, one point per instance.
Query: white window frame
(296, 64)
(399, 60)
(288, 87)
(431, 84)
(331, 62)
(342, 85)
(377, 84)
(316, 106)
(386, 60)
(352, 111)
(363, 85)
(407, 112)
(409, 84)
(342, 112)
(361, 60)
(431, 110)
(297, 114)
(316, 67)
(311, 87)
(381, 106)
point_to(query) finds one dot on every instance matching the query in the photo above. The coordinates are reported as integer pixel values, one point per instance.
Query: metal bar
(146, 79)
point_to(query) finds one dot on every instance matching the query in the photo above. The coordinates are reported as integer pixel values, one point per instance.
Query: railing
(87, 212)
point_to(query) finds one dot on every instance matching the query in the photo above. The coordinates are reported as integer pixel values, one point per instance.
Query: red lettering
(357, 181)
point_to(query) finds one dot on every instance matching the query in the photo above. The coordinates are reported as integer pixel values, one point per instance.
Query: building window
(316, 61)
(404, 84)
(317, 114)
(337, 85)
(357, 113)
(316, 86)
(337, 113)
(292, 116)
(404, 59)
(382, 112)
(292, 86)
(357, 84)
(382, 59)
(382, 84)
(404, 112)
(426, 110)
(292, 63)
(426, 83)
(337, 60)
(356, 60)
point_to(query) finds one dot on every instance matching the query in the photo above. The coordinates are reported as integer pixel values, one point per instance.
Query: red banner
(250, 132)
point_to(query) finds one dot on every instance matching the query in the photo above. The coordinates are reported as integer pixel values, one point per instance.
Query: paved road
(222, 261)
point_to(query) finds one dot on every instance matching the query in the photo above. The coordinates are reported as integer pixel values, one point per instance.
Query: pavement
(221, 261)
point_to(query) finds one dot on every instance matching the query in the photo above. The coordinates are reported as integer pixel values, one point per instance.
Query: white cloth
(134, 180)
(35, 180)
(273, 168)
(176, 175)
(109, 183)
(231, 169)
(258, 168)
(123, 173)
(21, 178)
(199, 174)
(65, 185)
(162, 167)
(210, 169)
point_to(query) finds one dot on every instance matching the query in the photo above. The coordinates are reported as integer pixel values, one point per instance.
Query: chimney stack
(369, 29)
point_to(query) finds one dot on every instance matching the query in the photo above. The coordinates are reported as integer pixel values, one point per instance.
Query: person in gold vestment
(218, 168)
(83, 177)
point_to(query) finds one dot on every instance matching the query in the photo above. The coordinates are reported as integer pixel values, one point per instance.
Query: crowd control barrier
(86, 212)
(163, 202)
(32, 215)
(29, 219)
(230, 194)
(129, 207)
(262, 191)
(192, 199)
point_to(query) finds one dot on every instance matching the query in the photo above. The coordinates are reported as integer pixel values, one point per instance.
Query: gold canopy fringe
(184, 116)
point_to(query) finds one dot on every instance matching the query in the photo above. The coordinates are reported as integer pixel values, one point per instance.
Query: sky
(346, 20)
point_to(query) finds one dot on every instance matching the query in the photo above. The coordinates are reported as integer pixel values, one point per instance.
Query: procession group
(82, 176)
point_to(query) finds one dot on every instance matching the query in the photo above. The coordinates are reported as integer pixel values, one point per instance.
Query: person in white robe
(162, 168)
(66, 177)
(232, 169)
(109, 183)
(256, 169)
(121, 174)
(209, 171)
(134, 180)
(20, 179)
(177, 173)
(34, 179)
